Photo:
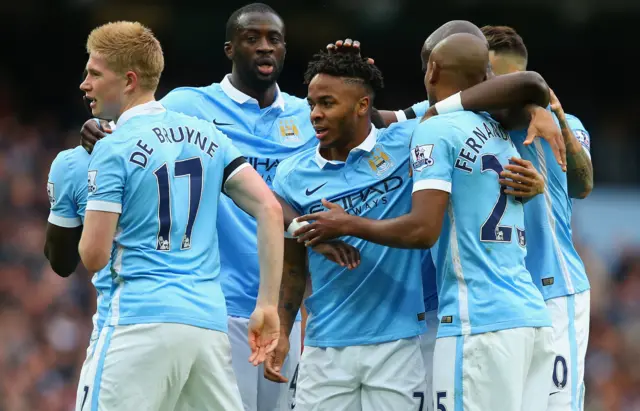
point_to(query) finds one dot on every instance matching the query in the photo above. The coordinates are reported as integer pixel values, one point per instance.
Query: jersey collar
(152, 107)
(367, 145)
(241, 98)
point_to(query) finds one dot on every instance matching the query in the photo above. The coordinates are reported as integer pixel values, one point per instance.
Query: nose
(84, 86)
(264, 45)
(316, 114)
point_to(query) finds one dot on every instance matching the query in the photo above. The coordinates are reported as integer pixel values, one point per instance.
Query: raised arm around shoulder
(247, 189)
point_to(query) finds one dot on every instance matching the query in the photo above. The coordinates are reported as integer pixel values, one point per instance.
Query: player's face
(103, 88)
(258, 48)
(335, 107)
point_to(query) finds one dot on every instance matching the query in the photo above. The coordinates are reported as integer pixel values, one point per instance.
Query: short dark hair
(505, 39)
(232, 22)
(347, 65)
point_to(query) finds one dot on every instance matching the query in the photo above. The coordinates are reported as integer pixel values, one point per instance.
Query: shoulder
(574, 122)
(294, 105)
(181, 97)
(71, 160)
(290, 164)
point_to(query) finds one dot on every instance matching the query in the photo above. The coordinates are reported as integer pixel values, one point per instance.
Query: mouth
(266, 66)
(90, 101)
(321, 132)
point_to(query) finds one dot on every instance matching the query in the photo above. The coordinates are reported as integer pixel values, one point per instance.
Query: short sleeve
(433, 155)
(579, 131)
(106, 179)
(233, 160)
(280, 186)
(61, 189)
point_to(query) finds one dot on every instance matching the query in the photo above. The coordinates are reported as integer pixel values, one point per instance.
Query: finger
(557, 153)
(309, 236)
(521, 161)
(513, 184)
(339, 44)
(271, 345)
(304, 230)
(516, 177)
(331, 47)
(329, 205)
(314, 242)
(563, 151)
(370, 61)
(353, 256)
(531, 135)
(356, 44)
(334, 256)
(343, 253)
(348, 43)
(308, 217)
(518, 171)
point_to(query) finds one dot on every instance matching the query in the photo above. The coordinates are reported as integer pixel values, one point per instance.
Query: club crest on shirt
(522, 238)
(92, 188)
(289, 130)
(421, 157)
(379, 161)
(52, 198)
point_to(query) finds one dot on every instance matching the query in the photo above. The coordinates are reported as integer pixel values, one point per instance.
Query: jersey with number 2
(483, 285)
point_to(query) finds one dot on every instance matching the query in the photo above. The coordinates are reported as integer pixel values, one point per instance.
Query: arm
(97, 239)
(247, 189)
(579, 167)
(61, 248)
(294, 280)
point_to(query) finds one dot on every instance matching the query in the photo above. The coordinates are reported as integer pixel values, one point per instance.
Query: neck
(443, 92)
(136, 100)
(265, 97)
(342, 152)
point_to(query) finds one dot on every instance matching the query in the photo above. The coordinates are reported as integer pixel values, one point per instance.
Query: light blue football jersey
(265, 137)
(381, 300)
(67, 191)
(483, 285)
(164, 172)
(552, 259)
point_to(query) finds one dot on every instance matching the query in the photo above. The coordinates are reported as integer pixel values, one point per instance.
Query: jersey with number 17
(164, 172)
(483, 285)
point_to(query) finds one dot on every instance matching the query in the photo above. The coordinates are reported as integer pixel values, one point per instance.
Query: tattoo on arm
(579, 167)
(294, 281)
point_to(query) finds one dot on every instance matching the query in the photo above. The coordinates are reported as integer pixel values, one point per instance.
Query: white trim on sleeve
(586, 150)
(237, 170)
(65, 222)
(108, 206)
(432, 184)
(400, 116)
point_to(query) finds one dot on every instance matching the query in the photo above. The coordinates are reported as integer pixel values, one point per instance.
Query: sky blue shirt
(381, 300)
(67, 191)
(483, 285)
(265, 137)
(164, 173)
(552, 259)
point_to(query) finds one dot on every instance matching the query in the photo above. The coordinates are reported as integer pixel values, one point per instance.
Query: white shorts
(570, 316)
(388, 376)
(427, 344)
(83, 384)
(258, 393)
(158, 367)
(505, 370)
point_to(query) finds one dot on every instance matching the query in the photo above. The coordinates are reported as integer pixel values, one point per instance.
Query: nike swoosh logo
(553, 393)
(221, 124)
(309, 192)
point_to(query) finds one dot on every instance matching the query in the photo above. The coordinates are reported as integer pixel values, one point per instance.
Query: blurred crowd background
(579, 46)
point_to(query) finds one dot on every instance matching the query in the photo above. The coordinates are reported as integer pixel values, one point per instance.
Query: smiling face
(336, 107)
(104, 88)
(257, 48)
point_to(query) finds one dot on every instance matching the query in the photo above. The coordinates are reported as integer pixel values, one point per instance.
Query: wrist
(450, 104)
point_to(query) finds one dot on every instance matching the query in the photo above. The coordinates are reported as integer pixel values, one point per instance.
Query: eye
(252, 39)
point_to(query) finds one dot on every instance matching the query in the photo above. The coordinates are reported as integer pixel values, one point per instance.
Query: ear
(132, 81)
(433, 73)
(228, 50)
(364, 105)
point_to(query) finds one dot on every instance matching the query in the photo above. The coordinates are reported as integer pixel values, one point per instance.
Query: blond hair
(129, 46)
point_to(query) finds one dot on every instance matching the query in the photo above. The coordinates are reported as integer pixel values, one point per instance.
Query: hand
(556, 107)
(543, 125)
(523, 179)
(264, 331)
(347, 46)
(327, 225)
(431, 111)
(91, 132)
(274, 361)
(340, 253)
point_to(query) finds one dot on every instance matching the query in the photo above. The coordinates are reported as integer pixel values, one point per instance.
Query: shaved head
(446, 30)
(456, 63)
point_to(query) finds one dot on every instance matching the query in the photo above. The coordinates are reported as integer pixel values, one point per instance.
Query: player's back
(483, 284)
(172, 169)
(553, 261)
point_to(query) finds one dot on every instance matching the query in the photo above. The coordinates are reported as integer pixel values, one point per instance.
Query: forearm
(292, 289)
(405, 231)
(63, 262)
(508, 91)
(270, 251)
(579, 167)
